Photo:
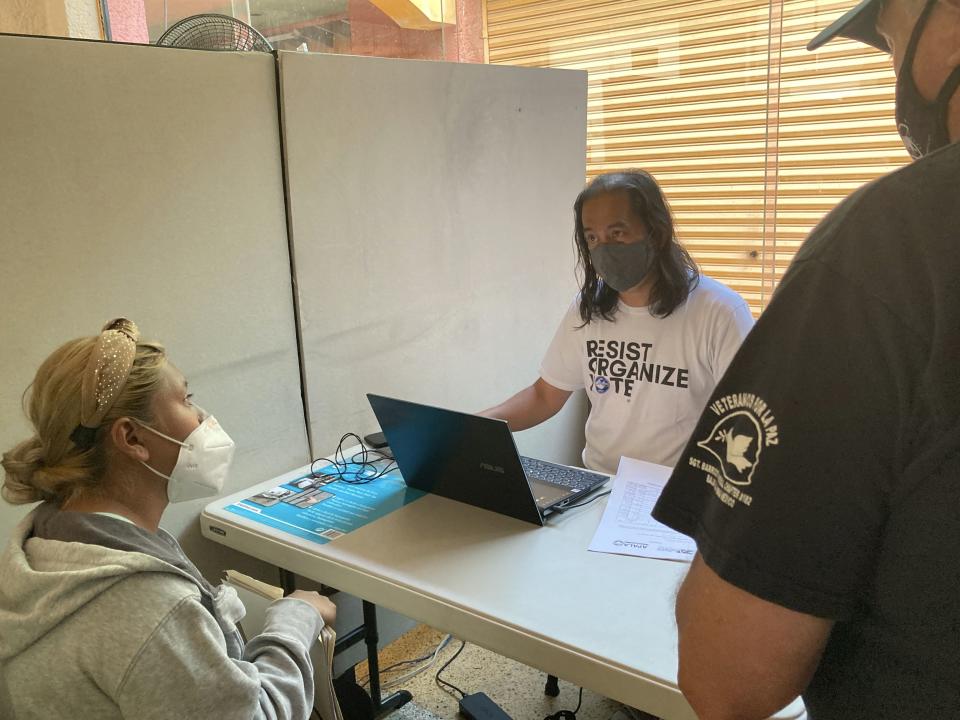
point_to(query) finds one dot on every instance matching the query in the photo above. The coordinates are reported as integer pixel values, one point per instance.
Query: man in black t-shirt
(822, 483)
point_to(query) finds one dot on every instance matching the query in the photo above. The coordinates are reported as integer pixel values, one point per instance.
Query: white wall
(431, 216)
(146, 182)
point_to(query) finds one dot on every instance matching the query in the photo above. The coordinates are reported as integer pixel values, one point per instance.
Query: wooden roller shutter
(752, 138)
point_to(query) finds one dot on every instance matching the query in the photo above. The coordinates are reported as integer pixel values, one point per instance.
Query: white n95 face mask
(203, 462)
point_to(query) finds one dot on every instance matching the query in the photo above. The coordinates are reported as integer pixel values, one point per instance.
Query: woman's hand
(323, 605)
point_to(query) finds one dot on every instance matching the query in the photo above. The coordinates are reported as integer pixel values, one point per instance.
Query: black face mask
(622, 266)
(922, 124)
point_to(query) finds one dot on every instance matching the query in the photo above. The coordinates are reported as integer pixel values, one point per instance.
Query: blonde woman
(101, 613)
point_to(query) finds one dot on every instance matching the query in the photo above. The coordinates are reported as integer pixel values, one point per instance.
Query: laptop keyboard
(573, 478)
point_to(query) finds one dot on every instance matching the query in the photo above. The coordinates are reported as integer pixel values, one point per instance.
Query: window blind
(752, 138)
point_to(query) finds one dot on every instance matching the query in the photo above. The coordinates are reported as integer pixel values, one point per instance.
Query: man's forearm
(531, 406)
(521, 411)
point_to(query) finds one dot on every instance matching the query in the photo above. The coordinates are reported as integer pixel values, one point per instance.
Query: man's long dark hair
(675, 272)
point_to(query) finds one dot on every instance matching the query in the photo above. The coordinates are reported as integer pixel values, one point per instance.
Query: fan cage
(211, 31)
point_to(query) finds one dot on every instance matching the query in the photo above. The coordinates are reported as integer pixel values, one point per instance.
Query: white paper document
(627, 527)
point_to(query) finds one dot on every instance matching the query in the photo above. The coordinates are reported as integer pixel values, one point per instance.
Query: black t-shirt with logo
(824, 473)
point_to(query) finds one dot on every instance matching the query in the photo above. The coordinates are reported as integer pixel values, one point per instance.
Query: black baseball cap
(860, 23)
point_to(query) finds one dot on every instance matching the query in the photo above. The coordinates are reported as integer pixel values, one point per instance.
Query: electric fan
(210, 31)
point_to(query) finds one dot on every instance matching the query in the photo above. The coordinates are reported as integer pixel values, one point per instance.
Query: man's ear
(127, 437)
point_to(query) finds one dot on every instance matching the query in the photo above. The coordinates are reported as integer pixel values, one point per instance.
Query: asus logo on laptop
(491, 468)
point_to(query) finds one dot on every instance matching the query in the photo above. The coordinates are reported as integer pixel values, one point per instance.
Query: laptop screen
(457, 455)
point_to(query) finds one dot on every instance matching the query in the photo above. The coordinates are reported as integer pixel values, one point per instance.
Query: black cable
(366, 452)
(564, 508)
(567, 714)
(429, 655)
(422, 658)
(441, 683)
(359, 478)
(366, 460)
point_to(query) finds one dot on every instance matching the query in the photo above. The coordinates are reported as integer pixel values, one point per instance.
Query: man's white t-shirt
(647, 378)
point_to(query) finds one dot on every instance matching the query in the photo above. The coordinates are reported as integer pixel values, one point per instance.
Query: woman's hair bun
(20, 464)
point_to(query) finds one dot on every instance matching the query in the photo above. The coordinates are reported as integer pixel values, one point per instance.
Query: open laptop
(474, 460)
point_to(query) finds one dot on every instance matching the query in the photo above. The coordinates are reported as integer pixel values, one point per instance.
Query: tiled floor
(516, 688)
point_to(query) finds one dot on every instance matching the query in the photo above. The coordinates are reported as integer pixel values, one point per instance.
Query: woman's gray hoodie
(102, 619)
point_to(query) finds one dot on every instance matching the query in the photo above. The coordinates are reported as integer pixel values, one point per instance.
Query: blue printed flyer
(321, 506)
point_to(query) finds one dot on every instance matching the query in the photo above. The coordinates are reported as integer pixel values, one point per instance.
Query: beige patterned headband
(104, 377)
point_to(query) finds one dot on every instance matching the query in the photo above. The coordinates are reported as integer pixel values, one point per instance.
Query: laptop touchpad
(548, 494)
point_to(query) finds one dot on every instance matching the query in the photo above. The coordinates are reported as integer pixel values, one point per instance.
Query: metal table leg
(381, 705)
(368, 633)
(552, 687)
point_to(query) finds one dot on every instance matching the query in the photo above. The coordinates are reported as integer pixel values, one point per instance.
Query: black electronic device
(375, 440)
(479, 706)
(473, 459)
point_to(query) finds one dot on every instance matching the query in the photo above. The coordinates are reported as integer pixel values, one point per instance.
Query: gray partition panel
(146, 182)
(430, 211)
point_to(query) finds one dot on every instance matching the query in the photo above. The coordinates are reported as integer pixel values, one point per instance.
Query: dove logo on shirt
(746, 427)
(735, 442)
